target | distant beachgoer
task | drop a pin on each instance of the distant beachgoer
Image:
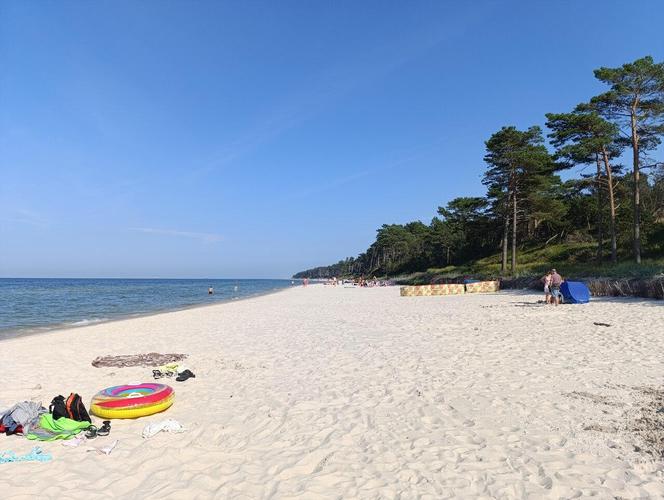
(305, 281)
(210, 291)
(554, 287)
(546, 279)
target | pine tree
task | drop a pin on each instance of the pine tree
(584, 137)
(518, 165)
(635, 101)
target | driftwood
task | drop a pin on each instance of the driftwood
(652, 288)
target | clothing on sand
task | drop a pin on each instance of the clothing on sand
(104, 450)
(35, 455)
(167, 370)
(75, 442)
(24, 414)
(168, 425)
(50, 429)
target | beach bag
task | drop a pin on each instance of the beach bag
(76, 409)
(71, 408)
(57, 407)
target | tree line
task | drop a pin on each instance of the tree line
(619, 207)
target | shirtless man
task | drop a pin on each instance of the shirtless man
(556, 281)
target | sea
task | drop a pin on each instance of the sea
(32, 305)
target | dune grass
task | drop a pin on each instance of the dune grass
(571, 260)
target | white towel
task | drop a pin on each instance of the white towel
(168, 425)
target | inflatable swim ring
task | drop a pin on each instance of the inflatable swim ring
(132, 401)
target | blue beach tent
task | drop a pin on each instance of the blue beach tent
(575, 292)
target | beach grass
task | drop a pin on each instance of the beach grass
(571, 260)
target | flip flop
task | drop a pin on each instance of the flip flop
(105, 429)
(91, 432)
(185, 375)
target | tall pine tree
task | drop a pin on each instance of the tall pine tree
(635, 101)
(518, 166)
(582, 138)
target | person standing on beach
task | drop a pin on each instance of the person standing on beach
(554, 287)
(546, 279)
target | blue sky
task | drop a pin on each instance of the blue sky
(257, 139)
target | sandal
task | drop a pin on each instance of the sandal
(185, 375)
(105, 429)
(91, 432)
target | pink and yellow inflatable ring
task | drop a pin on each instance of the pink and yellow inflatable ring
(132, 401)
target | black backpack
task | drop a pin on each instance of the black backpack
(72, 408)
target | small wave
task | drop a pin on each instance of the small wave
(90, 321)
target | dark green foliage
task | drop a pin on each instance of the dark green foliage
(521, 185)
(580, 136)
(636, 90)
(528, 210)
(583, 137)
(635, 101)
(467, 231)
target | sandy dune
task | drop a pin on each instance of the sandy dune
(359, 393)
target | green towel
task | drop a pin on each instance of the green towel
(62, 428)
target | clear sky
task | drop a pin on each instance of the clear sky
(256, 139)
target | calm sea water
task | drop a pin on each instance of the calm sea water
(30, 305)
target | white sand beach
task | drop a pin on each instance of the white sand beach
(325, 392)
